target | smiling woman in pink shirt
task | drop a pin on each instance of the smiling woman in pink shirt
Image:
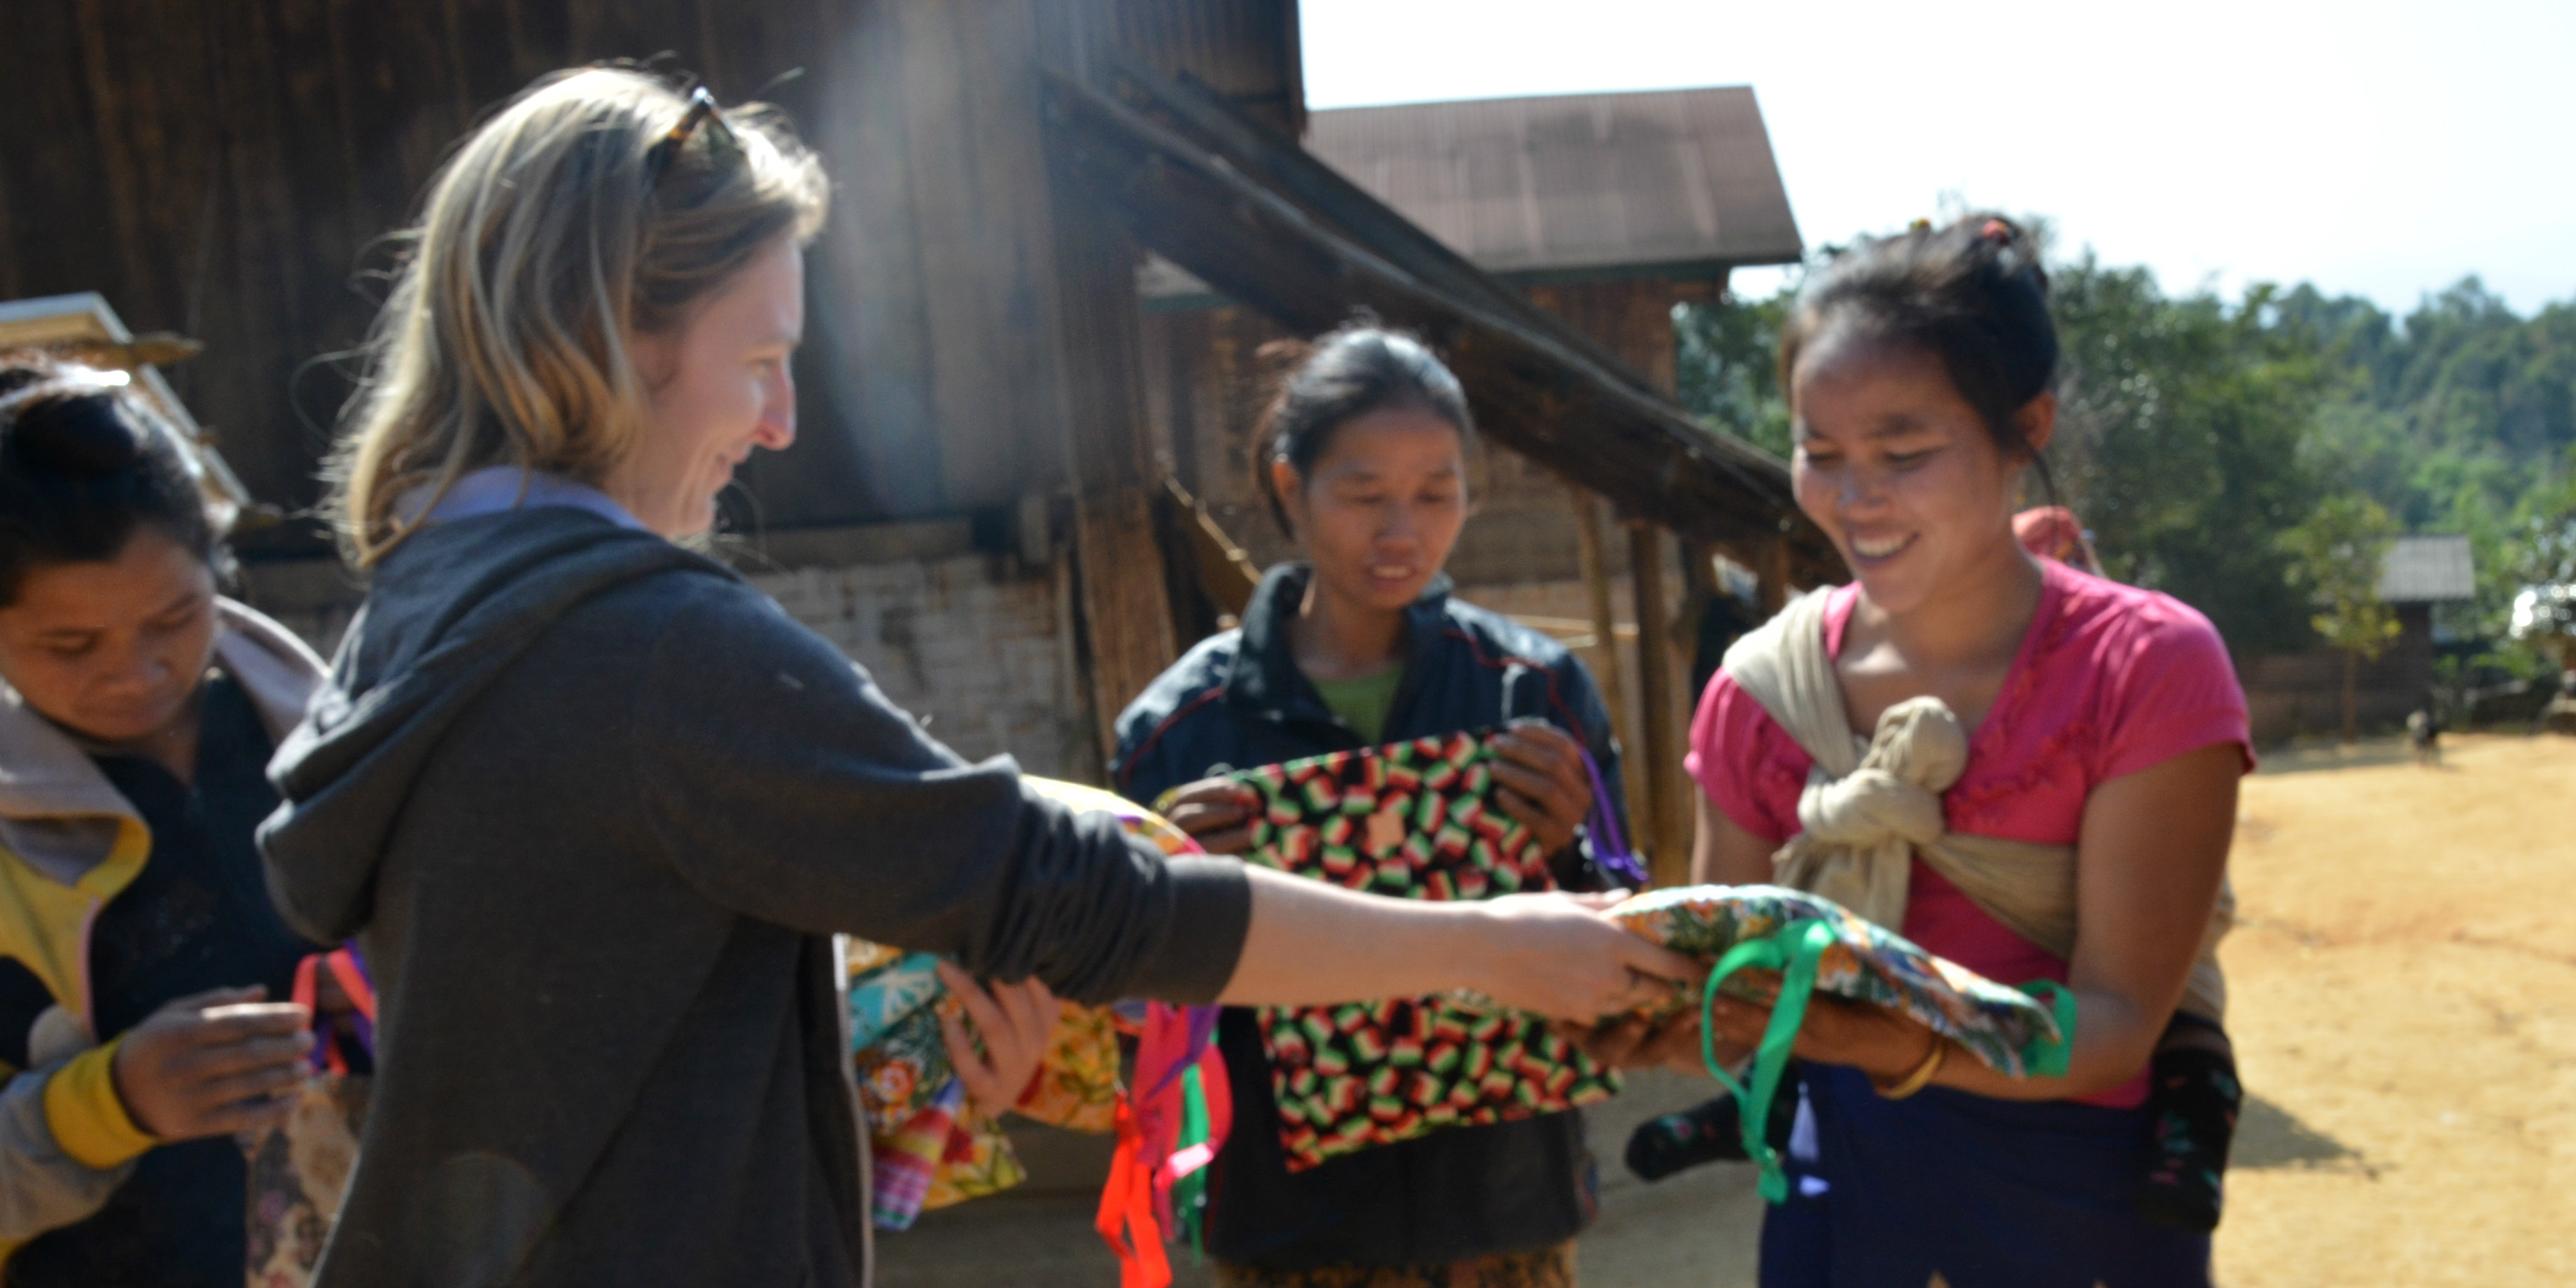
(2101, 718)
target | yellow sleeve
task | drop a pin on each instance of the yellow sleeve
(88, 1117)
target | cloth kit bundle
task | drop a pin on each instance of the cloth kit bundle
(1415, 820)
(931, 1149)
(1815, 944)
(299, 1170)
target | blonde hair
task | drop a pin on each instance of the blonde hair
(556, 233)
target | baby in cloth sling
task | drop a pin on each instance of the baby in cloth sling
(1871, 805)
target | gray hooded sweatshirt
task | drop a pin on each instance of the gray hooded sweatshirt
(594, 807)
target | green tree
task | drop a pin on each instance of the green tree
(2336, 556)
(2540, 566)
(1728, 367)
(2179, 443)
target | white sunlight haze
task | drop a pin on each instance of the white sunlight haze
(2378, 149)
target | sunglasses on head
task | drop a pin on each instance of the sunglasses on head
(722, 143)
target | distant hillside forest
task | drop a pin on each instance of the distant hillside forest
(2197, 430)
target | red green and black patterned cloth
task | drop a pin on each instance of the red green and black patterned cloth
(1415, 820)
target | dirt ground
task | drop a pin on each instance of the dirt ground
(2405, 1009)
(2404, 1004)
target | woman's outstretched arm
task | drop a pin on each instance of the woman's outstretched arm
(1553, 954)
(783, 785)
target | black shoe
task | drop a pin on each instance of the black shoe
(1708, 1133)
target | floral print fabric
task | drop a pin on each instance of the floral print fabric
(931, 1148)
(2003, 1027)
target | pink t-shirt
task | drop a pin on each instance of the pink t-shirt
(2110, 680)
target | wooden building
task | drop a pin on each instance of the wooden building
(2291, 695)
(977, 505)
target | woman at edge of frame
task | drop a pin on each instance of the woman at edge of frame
(143, 972)
(1360, 643)
(2103, 721)
(595, 806)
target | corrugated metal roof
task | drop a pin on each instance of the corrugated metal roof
(1578, 183)
(2421, 570)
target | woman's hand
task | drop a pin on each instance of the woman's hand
(1873, 1039)
(213, 1064)
(1634, 1042)
(1217, 813)
(1016, 1021)
(1544, 785)
(1555, 954)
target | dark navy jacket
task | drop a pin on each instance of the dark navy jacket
(1238, 700)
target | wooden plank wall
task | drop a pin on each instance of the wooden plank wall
(231, 171)
(1248, 51)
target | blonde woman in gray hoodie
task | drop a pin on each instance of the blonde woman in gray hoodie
(594, 806)
(139, 712)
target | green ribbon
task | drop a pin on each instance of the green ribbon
(2043, 1056)
(1791, 950)
(1189, 1193)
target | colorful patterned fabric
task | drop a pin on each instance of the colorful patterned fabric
(2003, 1027)
(1172, 1122)
(1077, 1083)
(931, 1148)
(1415, 820)
(897, 1049)
(1549, 1267)
(905, 1158)
(298, 1171)
(976, 1160)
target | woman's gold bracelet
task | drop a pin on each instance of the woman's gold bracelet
(1922, 1075)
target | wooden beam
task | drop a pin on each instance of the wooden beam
(1699, 591)
(1658, 705)
(1614, 691)
(1773, 574)
(1126, 603)
(1225, 572)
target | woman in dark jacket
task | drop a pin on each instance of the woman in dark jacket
(1364, 460)
(595, 806)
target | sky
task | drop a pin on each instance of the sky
(2377, 149)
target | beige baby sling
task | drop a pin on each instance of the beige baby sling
(1869, 805)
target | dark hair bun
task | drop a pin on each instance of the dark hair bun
(74, 427)
(83, 464)
(1973, 294)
